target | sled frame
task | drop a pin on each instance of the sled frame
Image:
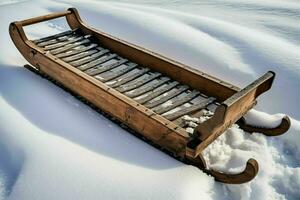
(235, 102)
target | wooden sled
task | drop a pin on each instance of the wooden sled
(146, 91)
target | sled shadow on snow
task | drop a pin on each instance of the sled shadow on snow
(57, 112)
(11, 163)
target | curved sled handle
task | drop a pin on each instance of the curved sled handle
(16, 28)
(44, 18)
(276, 131)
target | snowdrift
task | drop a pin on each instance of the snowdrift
(54, 147)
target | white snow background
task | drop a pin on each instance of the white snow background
(54, 147)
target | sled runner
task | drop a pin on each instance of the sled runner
(150, 93)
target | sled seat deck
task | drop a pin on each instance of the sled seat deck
(148, 92)
(156, 91)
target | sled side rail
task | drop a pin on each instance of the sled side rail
(43, 18)
(232, 110)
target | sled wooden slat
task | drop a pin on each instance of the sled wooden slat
(127, 78)
(147, 87)
(196, 114)
(190, 109)
(63, 43)
(90, 58)
(80, 55)
(100, 69)
(176, 101)
(69, 46)
(76, 51)
(54, 41)
(96, 62)
(144, 90)
(155, 93)
(137, 83)
(115, 74)
(56, 36)
(163, 98)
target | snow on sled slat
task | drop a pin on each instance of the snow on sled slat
(190, 109)
(176, 101)
(152, 118)
(195, 114)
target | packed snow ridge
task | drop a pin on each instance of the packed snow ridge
(54, 147)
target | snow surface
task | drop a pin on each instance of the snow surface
(260, 119)
(54, 147)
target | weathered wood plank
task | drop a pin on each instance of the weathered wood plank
(80, 55)
(138, 82)
(89, 58)
(197, 114)
(69, 46)
(156, 92)
(190, 109)
(114, 74)
(103, 68)
(147, 87)
(97, 62)
(69, 32)
(59, 44)
(53, 41)
(176, 101)
(127, 77)
(166, 96)
(76, 51)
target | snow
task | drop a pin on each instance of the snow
(54, 147)
(260, 119)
